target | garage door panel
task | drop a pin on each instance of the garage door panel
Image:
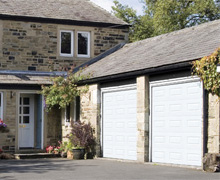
(177, 123)
(175, 140)
(194, 123)
(121, 125)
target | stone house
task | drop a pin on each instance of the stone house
(146, 106)
(40, 39)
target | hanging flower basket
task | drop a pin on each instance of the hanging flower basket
(3, 126)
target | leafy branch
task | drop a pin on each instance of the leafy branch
(63, 90)
(206, 70)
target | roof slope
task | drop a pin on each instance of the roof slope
(78, 10)
(176, 47)
(35, 80)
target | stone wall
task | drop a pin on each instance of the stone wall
(90, 112)
(35, 46)
(8, 139)
(213, 125)
(143, 118)
(53, 127)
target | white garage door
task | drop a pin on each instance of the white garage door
(120, 124)
(177, 123)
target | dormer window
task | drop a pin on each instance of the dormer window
(66, 43)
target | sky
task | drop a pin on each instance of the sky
(106, 4)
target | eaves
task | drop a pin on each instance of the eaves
(63, 21)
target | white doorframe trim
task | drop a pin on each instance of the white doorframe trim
(2, 105)
(170, 82)
(17, 114)
(42, 124)
(106, 90)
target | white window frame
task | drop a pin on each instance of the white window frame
(72, 43)
(1, 107)
(88, 45)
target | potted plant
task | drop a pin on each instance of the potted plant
(81, 140)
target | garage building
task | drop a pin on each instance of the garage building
(145, 104)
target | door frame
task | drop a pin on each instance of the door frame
(171, 82)
(33, 92)
(108, 90)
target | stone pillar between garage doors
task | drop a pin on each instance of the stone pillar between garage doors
(143, 118)
(213, 124)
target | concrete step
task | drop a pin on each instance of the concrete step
(30, 151)
(36, 156)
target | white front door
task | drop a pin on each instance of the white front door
(177, 123)
(120, 124)
(26, 121)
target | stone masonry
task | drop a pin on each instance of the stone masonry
(53, 127)
(90, 108)
(35, 46)
(8, 139)
(213, 125)
(143, 118)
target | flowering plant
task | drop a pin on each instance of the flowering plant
(49, 149)
(1, 151)
(52, 149)
(3, 126)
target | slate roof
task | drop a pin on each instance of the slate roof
(77, 10)
(28, 77)
(31, 80)
(168, 49)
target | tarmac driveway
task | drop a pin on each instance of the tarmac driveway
(99, 169)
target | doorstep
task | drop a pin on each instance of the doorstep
(36, 156)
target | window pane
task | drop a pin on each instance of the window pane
(77, 108)
(66, 42)
(20, 119)
(26, 110)
(83, 43)
(20, 110)
(68, 113)
(26, 120)
(1, 106)
(20, 100)
(26, 101)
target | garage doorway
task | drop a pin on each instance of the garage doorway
(119, 122)
(177, 122)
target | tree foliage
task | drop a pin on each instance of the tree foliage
(206, 70)
(63, 90)
(163, 16)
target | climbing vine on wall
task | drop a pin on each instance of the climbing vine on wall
(206, 69)
(64, 90)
